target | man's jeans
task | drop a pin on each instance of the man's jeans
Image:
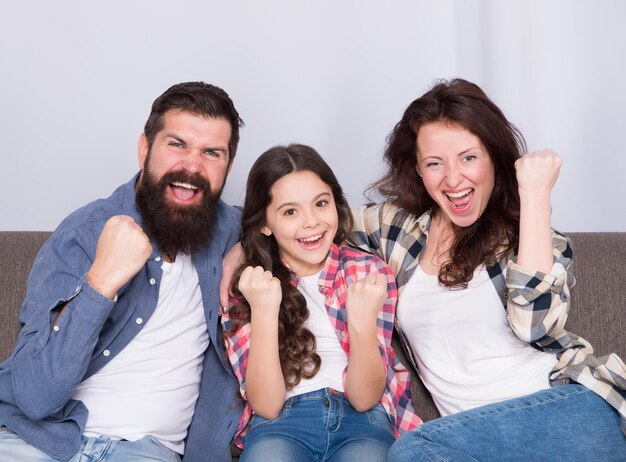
(564, 423)
(103, 449)
(319, 426)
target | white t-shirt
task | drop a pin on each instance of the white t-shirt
(334, 359)
(151, 386)
(466, 353)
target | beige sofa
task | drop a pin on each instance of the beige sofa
(598, 311)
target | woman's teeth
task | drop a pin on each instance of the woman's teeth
(459, 194)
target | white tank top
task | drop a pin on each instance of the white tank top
(466, 353)
(151, 386)
(334, 359)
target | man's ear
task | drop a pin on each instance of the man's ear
(265, 230)
(142, 150)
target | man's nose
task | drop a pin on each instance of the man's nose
(192, 161)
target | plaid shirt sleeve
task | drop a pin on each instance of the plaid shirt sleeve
(396, 398)
(537, 307)
(237, 349)
(538, 303)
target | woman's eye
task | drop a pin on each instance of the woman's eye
(322, 203)
(469, 157)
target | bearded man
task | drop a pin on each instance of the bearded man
(120, 354)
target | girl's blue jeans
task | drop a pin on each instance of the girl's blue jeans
(564, 423)
(319, 426)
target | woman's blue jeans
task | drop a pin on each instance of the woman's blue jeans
(564, 423)
(319, 426)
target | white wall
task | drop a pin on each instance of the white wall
(78, 78)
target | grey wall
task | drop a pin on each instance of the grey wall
(77, 80)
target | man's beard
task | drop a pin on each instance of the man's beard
(175, 227)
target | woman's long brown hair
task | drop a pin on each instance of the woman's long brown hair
(459, 103)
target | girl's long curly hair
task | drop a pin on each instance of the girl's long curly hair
(296, 343)
(459, 103)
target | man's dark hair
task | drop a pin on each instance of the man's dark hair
(197, 98)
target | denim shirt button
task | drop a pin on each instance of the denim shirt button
(106, 352)
(139, 320)
(55, 328)
(152, 281)
(157, 259)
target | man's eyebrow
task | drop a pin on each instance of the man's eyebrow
(223, 149)
(176, 137)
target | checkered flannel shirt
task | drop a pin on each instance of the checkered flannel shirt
(537, 304)
(344, 266)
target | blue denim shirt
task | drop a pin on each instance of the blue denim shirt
(48, 362)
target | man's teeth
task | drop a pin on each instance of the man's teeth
(460, 193)
(311, 239)
(184, 185)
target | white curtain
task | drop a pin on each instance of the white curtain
(78, 79)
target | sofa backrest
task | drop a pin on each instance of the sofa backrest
(17, 253)
(597, 311)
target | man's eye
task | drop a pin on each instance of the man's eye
(214, 154)
(175, 144)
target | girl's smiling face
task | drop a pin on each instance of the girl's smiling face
(457, 171)
(302, 216)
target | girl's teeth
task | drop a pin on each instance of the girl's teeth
(311, 239)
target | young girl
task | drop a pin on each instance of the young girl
(484, 291)
(309, 335)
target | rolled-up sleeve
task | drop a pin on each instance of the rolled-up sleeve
(538, 303)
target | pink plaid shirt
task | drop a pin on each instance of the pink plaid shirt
(344, 266)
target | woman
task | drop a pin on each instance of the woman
(466, 231)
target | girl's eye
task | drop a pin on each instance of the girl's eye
(289, 212)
